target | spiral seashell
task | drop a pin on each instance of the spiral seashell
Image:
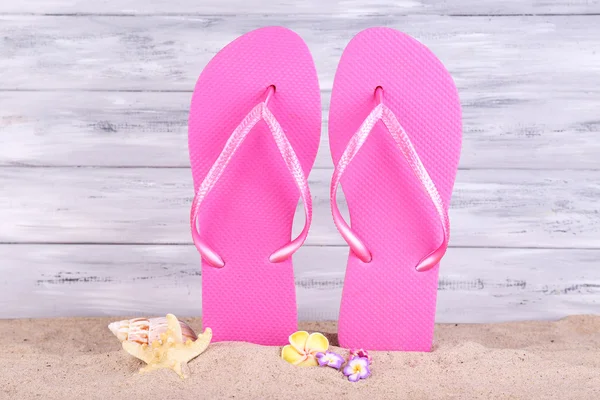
(147, 330)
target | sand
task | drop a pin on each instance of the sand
(78, 358)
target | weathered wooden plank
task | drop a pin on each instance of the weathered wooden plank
(150, 129)
(94, 128)
(476, 285)
(514, 208)
(336, 7)
(494, 60)
(535, 98)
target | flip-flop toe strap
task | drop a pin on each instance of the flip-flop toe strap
(259, 112)
(382, 113)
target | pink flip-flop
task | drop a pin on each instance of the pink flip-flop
(254, 129)
(395, 137)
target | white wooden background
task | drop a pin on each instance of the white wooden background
(95, 183)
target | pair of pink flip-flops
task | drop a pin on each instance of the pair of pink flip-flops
(395, 138)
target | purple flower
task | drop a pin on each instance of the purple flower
(357, 368)
(332, 360)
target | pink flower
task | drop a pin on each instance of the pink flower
(357, 368)
(360, 353)
(330, 359)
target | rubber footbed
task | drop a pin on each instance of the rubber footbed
(250, 211)
(387, 304)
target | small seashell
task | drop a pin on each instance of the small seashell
(147, 330)
(173, 350)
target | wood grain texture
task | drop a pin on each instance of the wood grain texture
(476, 285)
(526, 103)
(354, 8)
(95, 189)
(515, 208)
(64, 128)
(494, 60)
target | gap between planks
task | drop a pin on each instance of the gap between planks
(509, 209)
(545, 170)
(26, 243)
(476, 285)
(336, 8)
(302, 15)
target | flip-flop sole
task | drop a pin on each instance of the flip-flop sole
(249, 213)
(387, 304)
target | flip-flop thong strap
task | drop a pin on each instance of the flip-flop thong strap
(259, 112)
(383, 113)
